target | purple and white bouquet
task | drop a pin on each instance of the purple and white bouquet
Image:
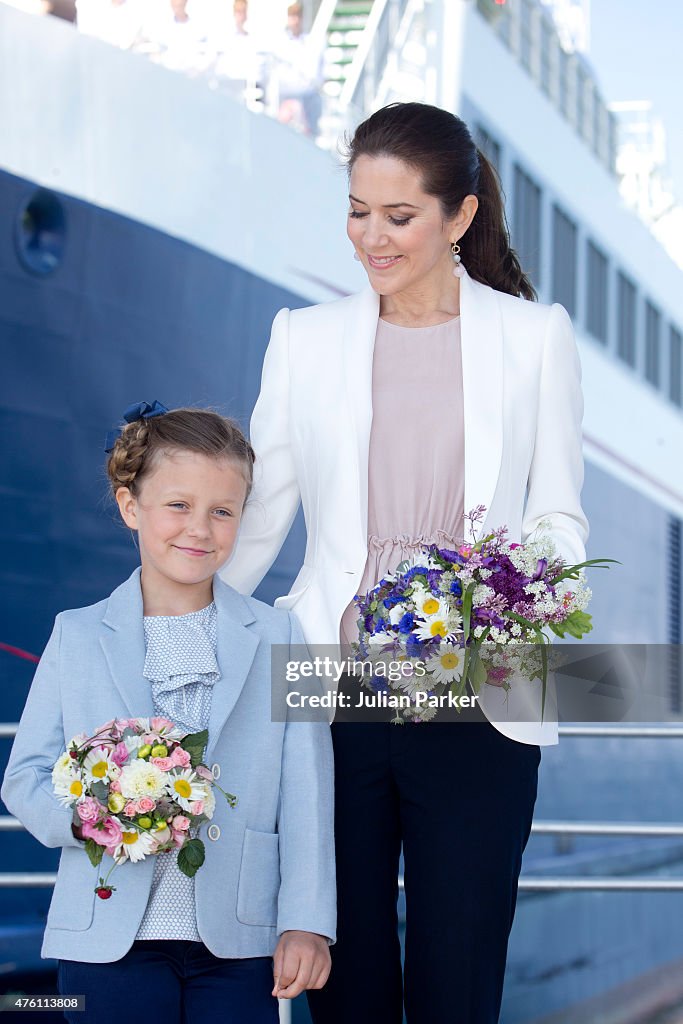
(436, 612)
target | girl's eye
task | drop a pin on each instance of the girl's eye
(224, 513)
(394, 220)
(177, 504)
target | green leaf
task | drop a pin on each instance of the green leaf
(478, 674)
(95, 851)
(467, 610)
(100, 790)
(577, 625)
(191, 857)
(572, 571)
(195, 744)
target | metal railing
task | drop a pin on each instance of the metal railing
(527, 883)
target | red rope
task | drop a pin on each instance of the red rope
(18, 653)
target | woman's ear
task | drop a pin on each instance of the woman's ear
(465, 215)
(128, 505)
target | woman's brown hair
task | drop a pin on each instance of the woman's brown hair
(440, 147)
(141, 442)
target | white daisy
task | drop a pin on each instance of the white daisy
(134, 845)
(437, 625)
(447, 666)
(426, 605)
(185, 787)
(142, 778)
(98, 766)
(69, 788)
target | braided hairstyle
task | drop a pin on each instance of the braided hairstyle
(142, 442)
(439, 146)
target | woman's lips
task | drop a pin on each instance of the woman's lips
(383, 264)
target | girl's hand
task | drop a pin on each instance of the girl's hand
(301, 960)
(78, 832)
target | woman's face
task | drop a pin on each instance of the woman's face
(397, 229)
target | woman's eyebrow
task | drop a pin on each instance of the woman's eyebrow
(387, 206)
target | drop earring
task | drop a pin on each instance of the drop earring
(356, 256)
(458, 269)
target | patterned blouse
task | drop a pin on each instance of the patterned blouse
(181, 665)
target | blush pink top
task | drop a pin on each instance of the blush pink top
(416, 482)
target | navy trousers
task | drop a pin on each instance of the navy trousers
(459, 798)
(174, 981)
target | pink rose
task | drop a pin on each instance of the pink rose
(179, 838)
(89, 809)
(150, 738)
(115, 786)
(109, 834)
(145, 804)
(180, 758)
(160, 723)
(204, 772)
(180, 823)
(119, 754)
(130, 809)
(197, 807)
(163, 763)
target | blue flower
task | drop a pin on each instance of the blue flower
(406, 623)
(455, 587)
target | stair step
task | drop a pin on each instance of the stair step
(348, 7)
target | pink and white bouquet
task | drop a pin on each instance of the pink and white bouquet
(138, 787)
(435, 612)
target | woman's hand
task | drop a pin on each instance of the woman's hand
(301, 960)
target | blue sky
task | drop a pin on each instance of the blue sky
(637, 53)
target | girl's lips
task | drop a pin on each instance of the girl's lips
(383, 266)
(196, 552)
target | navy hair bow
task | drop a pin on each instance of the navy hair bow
(139, 411)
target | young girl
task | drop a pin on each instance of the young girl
(176, 641)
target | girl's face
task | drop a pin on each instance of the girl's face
(397, 229)
(187, 515)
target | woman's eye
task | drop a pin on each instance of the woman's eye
(394, 220)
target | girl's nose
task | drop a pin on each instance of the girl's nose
(198, 526)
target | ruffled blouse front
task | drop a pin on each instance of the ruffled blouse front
(181, 665)
(416, 478)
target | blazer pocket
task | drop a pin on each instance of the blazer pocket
(300, 584)
(73, 900)
(259, 880)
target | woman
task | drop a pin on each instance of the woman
(389, 414)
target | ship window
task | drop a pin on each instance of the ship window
(527, 40)
(40, 231)
(564, 260)
(626, 319)
(488, 145)
(675, 366)
(652, 330)
(548, 40)
(675, 612)
(596, 293)
(527, 223)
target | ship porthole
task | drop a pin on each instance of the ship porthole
(40, 231)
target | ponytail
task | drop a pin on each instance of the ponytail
(485, 246)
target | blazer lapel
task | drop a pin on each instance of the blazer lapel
(124, 647)
(236, 650)
(360, 328)
(482, 380)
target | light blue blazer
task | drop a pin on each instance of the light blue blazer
(269, 862)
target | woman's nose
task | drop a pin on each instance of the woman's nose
(375, 234)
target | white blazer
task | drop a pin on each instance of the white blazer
(310, 429)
